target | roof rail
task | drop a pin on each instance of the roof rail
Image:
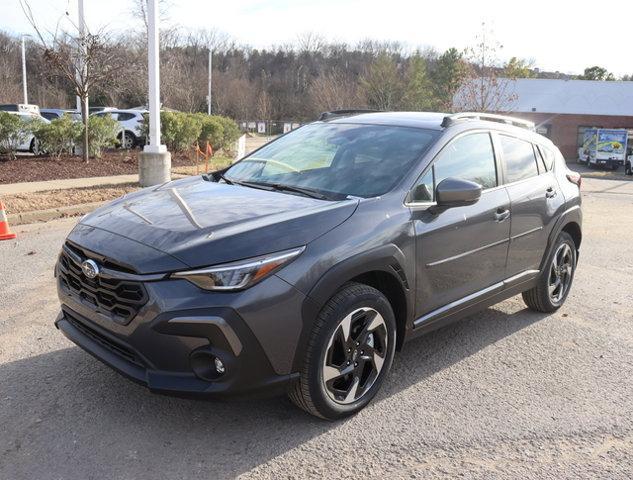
(490, 117)
(342, 113)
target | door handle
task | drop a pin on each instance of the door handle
(550, 192)
(502, 214)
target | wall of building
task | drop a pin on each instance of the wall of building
(563, 130)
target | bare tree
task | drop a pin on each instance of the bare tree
(484, 90)
(310, 42)
(138, 9)
(333, 91)
(85, 61)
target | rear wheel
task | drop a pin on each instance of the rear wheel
(127, 141)
(627, 169)
(556, 278)
(349, 353)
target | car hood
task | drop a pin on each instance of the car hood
(205, 223)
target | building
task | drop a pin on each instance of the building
(561, 109)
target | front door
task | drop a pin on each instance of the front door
(460, 251)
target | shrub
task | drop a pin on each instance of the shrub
(230, 133)
(102, 132)
(212, 131)
(13, 132)
(181, 131)
(59, 136)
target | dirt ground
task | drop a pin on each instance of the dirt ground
(504, 394)
(29, 202)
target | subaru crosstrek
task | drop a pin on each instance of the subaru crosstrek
(303, 267)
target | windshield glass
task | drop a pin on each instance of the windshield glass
(348, 159)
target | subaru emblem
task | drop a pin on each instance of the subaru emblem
(90, 269)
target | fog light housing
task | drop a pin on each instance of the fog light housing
(219, 366)
(206, 365)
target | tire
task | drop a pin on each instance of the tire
(34, 147)
(342, 395)
(539, 298)
(628, 170)
(130, 140)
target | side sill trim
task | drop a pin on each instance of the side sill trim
(471, 299)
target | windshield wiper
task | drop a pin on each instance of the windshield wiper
(215, 177)
(308, 192)
(226, 180)
(280, 187)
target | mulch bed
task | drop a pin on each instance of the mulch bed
(113, 162)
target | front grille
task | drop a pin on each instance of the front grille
(119, 299)
(118, 349)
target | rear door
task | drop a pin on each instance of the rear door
(535, 198)
(460, 251)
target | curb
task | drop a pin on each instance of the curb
(52, 214)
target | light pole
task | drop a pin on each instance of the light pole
(82, 63)
(155, 160)
(210, 72)
(24, 89)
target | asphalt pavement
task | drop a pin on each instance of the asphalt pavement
(507, 393)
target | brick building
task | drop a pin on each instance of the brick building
(564, 109)
(561, 109)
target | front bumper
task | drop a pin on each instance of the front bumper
(610, 163)
(243, 376)
(181, 328)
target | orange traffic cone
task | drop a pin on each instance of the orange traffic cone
(5, 232)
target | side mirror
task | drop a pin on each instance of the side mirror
(455, 192)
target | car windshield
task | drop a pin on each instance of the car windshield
(343, 159)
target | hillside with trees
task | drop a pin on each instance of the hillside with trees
(288, 82)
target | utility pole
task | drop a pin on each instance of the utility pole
(82, 39)
(155, 160)
(209, 86)
(26, 96)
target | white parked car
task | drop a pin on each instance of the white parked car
(55, 113)
(130, 123)
(29, 142)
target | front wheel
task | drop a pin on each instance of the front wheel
(34, 147)
(349, 353)
(555, 280)
(627, 169)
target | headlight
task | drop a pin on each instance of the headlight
(239, 275)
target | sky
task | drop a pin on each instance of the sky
(557, 35)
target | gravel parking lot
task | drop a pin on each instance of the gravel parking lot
(507, 393)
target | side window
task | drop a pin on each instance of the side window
(548, 157)
(124, 116)
(49, 115)
(540, 160)
(519, 159)
(470, 157)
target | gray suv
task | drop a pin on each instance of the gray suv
(303, 267)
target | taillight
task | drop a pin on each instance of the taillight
(574, 177)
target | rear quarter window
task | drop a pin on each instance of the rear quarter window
(548, 156)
